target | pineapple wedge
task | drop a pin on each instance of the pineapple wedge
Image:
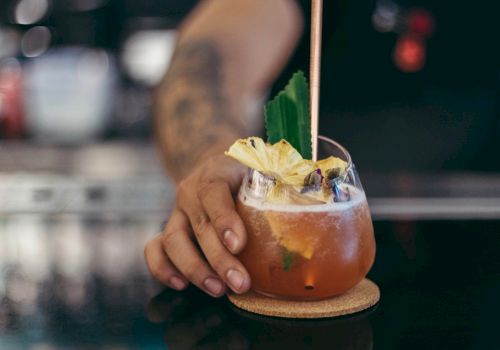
(280, 161)
(330, 163)
(293, 241)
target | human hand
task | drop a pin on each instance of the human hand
(203, 232)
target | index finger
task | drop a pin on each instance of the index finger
(218, 203)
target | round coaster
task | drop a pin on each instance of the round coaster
(362, 296)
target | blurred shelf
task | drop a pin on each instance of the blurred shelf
(108, 177)
(114, 159)
(124, 178)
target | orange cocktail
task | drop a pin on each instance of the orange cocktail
(303, 250)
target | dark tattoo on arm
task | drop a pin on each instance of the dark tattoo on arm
(192, 110)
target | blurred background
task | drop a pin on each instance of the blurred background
(411, 88)
(80, 71)
(406, 85)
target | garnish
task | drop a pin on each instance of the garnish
(314, 178)
(286, 157)
(313, 181)
(340, 195)
(286, 194)
(331, 176)
(279, 161)
(288, 258)
(295, 245)
(287, 116)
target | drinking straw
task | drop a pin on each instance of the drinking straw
(315, 69)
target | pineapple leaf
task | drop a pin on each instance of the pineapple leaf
(287, 116)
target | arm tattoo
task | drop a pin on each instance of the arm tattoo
(192, 111)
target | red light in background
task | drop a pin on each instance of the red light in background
(11, 112)
(409, 53)
(420, 21)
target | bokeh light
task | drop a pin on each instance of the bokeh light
(421, 22)
(11, 116)
(147, 54)
(36, 41)
(385, 16)
(9, 42)
(409, 53)
(93, 66)
(30, 11)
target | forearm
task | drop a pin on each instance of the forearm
(228, 53)
(194, 117)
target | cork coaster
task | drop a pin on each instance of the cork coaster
(362, 296)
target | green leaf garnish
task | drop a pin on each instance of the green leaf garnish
(287, 116)
(288, 258)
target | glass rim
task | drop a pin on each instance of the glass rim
(341, 148)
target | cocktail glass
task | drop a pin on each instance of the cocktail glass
(307, 251)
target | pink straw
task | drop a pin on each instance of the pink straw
(315, 69)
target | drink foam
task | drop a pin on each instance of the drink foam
(357, 198)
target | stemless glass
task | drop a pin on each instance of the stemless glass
(307, 252)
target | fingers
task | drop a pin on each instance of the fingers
(181, 250)
(222, 261)
(206, 207)
(160, 265)
(217, 201)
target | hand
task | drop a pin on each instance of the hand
(203, 232)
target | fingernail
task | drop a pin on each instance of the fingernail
(213, 285)
(236, 279)
(177, 283)
(231, 240)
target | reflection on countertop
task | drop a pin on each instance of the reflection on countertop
(69, 282)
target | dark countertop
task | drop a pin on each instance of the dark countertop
(75, 282)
